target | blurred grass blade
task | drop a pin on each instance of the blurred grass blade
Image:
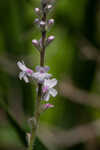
(20, 132)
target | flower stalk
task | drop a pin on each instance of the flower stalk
(45, 85)
(39, 94)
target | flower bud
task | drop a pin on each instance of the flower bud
(42, 24)
(36, 44)
(49, 40)
(36, 21)
(49, 7)
(51, 21)
(44, 107)
(37, 11)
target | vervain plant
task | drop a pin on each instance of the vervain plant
(45, 82)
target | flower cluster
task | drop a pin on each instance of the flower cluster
(41, 75)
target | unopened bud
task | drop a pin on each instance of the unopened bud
(44, 107)
(49, 7)
(36, 21)
(51, 22)
(37, 11)
(42, 24)
(49, 40)
(36, 44)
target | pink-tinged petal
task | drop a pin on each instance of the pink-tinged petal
(21, 66)
(53, 92)
(46, 106)
(29, 71)
(45, 89)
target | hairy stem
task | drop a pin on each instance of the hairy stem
(39, 94)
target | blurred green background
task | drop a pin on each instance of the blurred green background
(74, 59)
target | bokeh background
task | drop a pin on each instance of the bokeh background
(74, 59)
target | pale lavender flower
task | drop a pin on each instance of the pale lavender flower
(48, 89)
(41, 74)
(25, 72)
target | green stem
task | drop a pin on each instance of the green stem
(36, 117)
(38, 100)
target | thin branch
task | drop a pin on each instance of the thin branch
(57, 138)
(68, 90)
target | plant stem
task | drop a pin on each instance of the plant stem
(39, 94)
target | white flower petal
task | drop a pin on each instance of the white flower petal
(53, 92)
(47, 75)
(50, 83)
(26, 79)
(21, 66)
(36, 75)
(47, 82)
(47, 96)
(21, 75)
(53, 83)
(41, 76)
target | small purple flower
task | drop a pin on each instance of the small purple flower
(46, 106)
(25, 72)
(48, 89)
(41, 74)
